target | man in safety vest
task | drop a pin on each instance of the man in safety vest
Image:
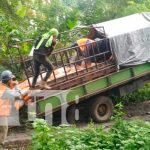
(9, 98)
(43, 48)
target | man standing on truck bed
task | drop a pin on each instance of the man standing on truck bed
(43, 48)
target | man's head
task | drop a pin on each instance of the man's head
(8, 78)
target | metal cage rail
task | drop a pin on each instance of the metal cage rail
(99, 55)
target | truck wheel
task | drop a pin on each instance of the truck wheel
(101, 109)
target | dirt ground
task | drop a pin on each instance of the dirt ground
(22, 137)
(138, 111)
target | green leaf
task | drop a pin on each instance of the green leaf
(71, 24)
(22, 11)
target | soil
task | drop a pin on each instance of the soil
(138, 110)
(21, 137)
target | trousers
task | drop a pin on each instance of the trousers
(39, 60)
(3, 129)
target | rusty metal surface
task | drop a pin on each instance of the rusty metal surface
(84, 78)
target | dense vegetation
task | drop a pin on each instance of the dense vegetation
(129, 135)
(27, 19)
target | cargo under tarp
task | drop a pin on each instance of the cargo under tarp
(129, 38)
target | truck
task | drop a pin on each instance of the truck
(126, 40)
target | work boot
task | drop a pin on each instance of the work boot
(43, 85)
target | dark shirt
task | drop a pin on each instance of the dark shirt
(43, 50)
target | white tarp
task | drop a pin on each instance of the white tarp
(129, 38)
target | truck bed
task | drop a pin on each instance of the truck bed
(68, 77)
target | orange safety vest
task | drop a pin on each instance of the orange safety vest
(83, 42)
(5, 105)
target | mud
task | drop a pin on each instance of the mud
(138, 110)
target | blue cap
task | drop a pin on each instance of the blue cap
(7, 75)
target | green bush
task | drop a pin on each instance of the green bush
(132, 135)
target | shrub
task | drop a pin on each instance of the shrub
(122, 135)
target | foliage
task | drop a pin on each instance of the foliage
(97, 11)
(29, 19)
(118, 112)
(138, 6)
(122, 135)
(34, 17)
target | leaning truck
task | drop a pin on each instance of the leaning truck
(126, 40)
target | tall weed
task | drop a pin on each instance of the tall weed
(130, 135)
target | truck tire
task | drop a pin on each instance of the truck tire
(101, 109)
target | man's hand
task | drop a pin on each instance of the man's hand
(111, 58)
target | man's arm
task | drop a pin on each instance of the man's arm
(10, 94)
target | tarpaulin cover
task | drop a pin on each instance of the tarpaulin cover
(129, 38)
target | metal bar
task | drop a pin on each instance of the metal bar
(56, 60)
(72, 78)
(98, 47)
(94, 55)
(69, 48)
(69, 51)
(76, 69)
(84, 75)
(105, 59)
(90, 71)
(63, 66)
(67, 57)
(24, 65)
(85, 60)
(78, 55)
(32, 67)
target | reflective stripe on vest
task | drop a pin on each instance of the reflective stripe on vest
(6, 104)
